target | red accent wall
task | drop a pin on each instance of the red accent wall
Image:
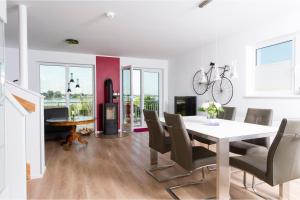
(106, 67)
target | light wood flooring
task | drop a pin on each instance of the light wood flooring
(114, 169)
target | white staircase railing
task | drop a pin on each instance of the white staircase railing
(35, 145)
(15, 148)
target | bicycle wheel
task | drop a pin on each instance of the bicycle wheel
(222, 91)
(199, 88)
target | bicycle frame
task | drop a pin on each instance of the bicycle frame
(224, 69)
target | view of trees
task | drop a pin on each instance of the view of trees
(82, 108)
(52, 95)
(148, 100)
(151, 102)
(81, 104)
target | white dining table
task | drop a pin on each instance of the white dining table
(227, 131)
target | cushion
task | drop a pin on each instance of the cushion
(253, 163)
(203, 140)
(202, 157)
(243, 148)
(56, 132)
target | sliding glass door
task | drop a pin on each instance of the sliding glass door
(137, 103)
(141, 90)
(69, 86)
(151, 90)
(127, 103)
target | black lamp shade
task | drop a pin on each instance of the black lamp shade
(72, 80)
(69, 89)
(77, 84)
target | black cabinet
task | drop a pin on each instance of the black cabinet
(185, 105)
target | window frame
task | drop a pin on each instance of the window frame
(270, 44)
(252, 64)
(67, 67)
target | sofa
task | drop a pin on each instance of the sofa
(55, 132)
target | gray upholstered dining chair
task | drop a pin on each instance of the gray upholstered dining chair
(280, 163)
(254, 116)
(228, 114)
(186, 155)
(159, 141)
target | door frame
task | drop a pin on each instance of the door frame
(128, 67)
(160, 92)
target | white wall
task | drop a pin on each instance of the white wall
(36, 57)
(3, 15)
(183, 67)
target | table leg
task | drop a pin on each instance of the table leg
(284, 191)
(223, 169)
(72, 137)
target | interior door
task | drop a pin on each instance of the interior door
(127, 99)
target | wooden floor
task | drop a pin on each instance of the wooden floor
(114, 169)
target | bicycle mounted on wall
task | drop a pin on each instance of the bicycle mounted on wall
(222, 88)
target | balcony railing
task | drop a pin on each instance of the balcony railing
(152, 104)
(148, 105)
(85, 107)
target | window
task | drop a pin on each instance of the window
(274, 69)
(275, 53)
(53, 85)
(54, 81)
(82, 100)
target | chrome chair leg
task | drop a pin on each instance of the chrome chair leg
(159, 179)
(245, 180)
(253, 181)
(211, 167)
(173, 195)
(155, 167)
(153, 157)
(171, 188)
(203, 173)
(254, 189)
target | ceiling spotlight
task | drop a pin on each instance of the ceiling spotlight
(71, 41)
(110, 15)
(204, 3)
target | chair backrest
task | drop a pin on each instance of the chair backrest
(156, 131)
(228, 114)
(283, 162)
(62, 112)
(181, 150)
(261, 117)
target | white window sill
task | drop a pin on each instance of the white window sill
(258, 96)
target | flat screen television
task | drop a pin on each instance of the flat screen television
(185, 105)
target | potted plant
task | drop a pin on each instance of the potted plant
(212, 109)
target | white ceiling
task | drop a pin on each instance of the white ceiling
(153, 29)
